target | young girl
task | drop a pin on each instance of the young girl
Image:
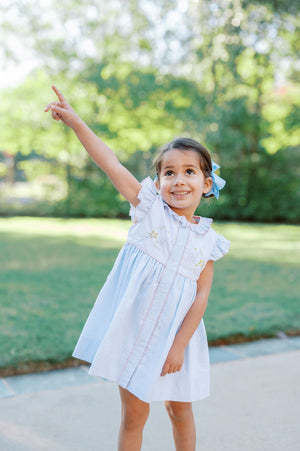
(146, 331)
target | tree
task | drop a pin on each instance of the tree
(219, 71)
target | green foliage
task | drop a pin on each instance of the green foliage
(92, 197)
(271, 193)
(232, 86)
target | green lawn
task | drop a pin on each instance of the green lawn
(52, 270)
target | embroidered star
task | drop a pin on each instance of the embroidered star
(153, 234)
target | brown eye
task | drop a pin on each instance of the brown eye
(190, 171)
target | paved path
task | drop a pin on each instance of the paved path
(254, 406)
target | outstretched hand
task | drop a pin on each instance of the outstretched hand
(61, 110)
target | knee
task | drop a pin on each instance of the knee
(134, 418)
(179, 411)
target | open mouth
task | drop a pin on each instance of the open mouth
(180, 194)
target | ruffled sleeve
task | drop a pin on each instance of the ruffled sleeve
(147, 196)
(221, 247)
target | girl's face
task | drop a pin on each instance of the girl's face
(181, 181)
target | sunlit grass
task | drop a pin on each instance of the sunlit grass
(263, 242)
(52, 270)
(112, 228)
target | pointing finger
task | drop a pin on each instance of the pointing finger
(59, 94)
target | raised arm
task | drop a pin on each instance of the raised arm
(102, 155)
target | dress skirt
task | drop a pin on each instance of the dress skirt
(131, 328)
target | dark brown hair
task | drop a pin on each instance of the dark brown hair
(185, 144)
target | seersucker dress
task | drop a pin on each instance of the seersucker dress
(144, 300)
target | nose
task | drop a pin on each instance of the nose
(179, 180)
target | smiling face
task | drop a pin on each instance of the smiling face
(181, 181)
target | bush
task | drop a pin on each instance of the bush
(263, 190)
(92, 197)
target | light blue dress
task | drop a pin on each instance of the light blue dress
(144, 300)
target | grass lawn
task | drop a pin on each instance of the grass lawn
(52, 270)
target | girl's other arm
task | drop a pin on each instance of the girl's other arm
(103, 156)
(191, 321)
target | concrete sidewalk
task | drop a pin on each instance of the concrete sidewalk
(254, 406)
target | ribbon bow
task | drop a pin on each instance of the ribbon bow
(218, 182)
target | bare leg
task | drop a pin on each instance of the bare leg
(182, 418)
(134, 416)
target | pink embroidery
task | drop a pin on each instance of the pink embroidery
(157, 321)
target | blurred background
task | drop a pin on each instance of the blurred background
(140, 73)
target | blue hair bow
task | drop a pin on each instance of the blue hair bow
(218, 182)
